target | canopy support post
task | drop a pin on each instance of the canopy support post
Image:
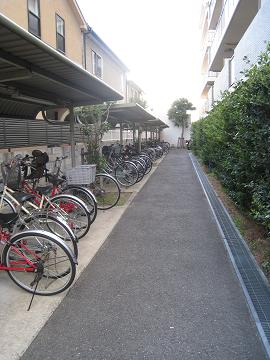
(72, 135)
(121, 132)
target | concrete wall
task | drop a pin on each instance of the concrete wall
(52, 152)
(17, 11)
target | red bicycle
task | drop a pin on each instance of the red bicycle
(36, 260)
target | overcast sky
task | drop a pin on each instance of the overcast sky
(157, 40)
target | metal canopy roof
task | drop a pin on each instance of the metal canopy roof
(157, 123)
(34, 76)
(133, 113)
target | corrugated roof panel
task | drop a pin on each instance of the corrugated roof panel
(54, 73)
(17, 109)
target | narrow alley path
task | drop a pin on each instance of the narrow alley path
(162, 286)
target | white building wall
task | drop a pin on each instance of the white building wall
(254, 40)
(251, 45)
(222, 82)
(172, 133)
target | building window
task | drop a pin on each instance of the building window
(34, 17)
(60, 34)
(97, 64)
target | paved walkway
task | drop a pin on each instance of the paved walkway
(162, 286)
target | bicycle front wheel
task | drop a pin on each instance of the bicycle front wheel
(6, 207)
(52, 223)
(86, 196)
(126, 173)
(73, 211)
(106, 190)
(39, 262)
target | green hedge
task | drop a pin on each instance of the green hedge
(234, 140)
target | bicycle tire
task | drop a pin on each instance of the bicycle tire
(86, 196)
(126, 173)
(73, 211)
(149, 163)
(140, 168)
(57, 259)
(7, 206)
(53, 224)
(106, 190)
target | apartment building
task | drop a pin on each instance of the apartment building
(231, 30)
(102, 62)
(59, 23)
(42, 72)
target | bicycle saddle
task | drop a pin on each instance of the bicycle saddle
(22, 197)
(55, 180)
(7, 219)
(44, 189)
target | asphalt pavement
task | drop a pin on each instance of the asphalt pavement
(161, 287)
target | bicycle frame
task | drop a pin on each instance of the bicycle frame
(40, 199)
(7, 193)
(29, 266)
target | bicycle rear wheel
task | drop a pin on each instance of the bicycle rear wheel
(47, 264)
(106, 190)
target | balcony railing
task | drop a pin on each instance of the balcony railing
(211, 8)
(208, 80)
(225, 17)
(208, 39)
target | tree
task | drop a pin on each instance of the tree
(178, 114)
(94, 119)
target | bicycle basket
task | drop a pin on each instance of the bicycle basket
(11, 173)
(81, 175)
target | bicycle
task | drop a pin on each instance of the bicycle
(60, 185)
(69, 208)
(36, 260)
(105, 190)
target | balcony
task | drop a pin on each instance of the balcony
(208, 81)
(205, 47)
(234, 20)
(214, 12)
(204, 108)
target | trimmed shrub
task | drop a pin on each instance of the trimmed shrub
(234, 140)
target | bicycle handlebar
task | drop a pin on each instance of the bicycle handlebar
(61, 157)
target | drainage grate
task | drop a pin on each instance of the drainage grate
(252, 279)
